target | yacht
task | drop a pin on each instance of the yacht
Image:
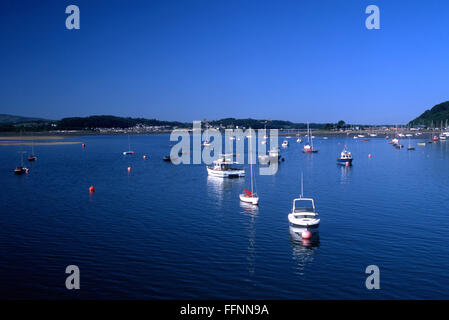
(285, 144)
(222, 168)
(308, 147)
(32, 157)
(250, 196)
(129, 148)
(21, 169)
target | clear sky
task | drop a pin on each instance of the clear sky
(302, 60)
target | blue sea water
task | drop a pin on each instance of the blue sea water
(167, 231)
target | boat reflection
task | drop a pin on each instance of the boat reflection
(346, 175)
(251, 212)
(303, 249)
(218, 186)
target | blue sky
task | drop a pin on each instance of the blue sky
(193, 59)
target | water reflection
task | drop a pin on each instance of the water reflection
(303, 249)
(218, 186)
(345, 174)
(251, 212)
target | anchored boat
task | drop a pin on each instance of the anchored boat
(222, 168)
(250, 196)
(303, 213)
(21, 169)
(308, 147)
(345, 158)
(129, 149)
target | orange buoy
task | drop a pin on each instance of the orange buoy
(144, 156)
(91, 189)
(306, 234)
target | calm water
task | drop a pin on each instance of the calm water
(165, 231)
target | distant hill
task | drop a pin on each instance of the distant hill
(106, 121)
(438, 113)
(11, 119)
(260, 124)
(10, 123)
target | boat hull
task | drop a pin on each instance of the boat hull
(310, 151)
(248, 199)
(226, 174)
(303, 223)
(20, 170)
(344, 162)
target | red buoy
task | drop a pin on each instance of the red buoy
(91, 189)
(83, 145)
(369, 155)
(129, 169)
(306, 234)
(144, 156)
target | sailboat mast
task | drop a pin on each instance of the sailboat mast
(308, 132)
(251, 157)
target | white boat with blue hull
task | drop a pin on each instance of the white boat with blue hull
(345, 158)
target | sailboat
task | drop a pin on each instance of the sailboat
(308, 147)
(250, 196)
(129, 149)
(32, 157)
(21, 169)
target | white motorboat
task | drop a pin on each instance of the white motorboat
(303, 214)
(285, 144)
(222, 168)
(345, 158)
